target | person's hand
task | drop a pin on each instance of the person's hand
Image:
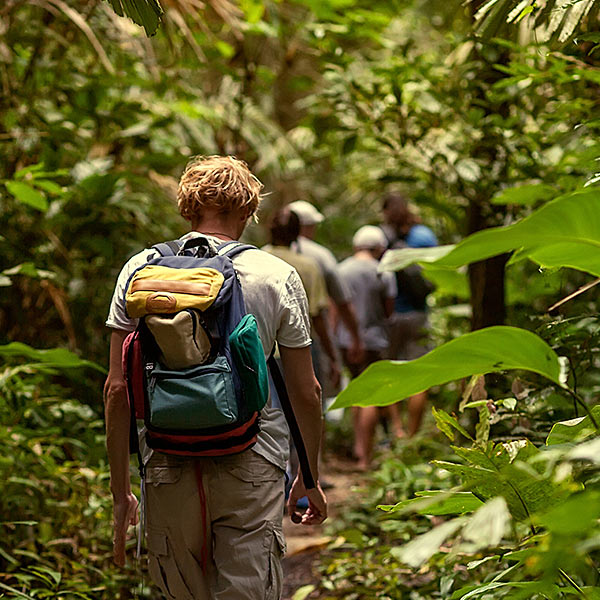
(125, 513)
(356, 352)
(316, 512)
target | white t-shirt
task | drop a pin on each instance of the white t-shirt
(274, 294)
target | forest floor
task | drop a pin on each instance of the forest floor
(306, 543)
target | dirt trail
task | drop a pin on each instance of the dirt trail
(305, 543)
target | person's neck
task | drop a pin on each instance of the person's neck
(364, 254)
(218, 226)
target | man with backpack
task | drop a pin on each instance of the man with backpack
(409, 323)
(213, 513)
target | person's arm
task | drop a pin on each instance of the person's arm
(356, 352)
(322, 331)
(390, 291)
(116, 412)
(305, 397)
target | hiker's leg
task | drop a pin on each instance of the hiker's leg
(175, 529)
(247, 502)
(392, 414)
(416, 408)
(365, 421)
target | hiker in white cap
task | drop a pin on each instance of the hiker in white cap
(310, 218)
(373, 295)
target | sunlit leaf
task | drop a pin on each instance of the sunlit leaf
(573, 430)
(27, 195)
(438, 503)
(488, 525)
(424, 546)
(562, 233)
(446, 423)
(57, 357)
(485, 351)
(525, 194)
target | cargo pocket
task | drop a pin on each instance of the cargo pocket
(256, 470)
(163, 568)
(275, 542)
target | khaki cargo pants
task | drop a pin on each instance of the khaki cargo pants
(231, 552)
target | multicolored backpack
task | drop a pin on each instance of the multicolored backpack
(195, 366)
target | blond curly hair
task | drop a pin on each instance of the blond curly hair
(221, 182)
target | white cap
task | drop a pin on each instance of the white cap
(306, 212)
(369, 236)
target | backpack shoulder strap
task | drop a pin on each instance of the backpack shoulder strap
(288, 411)
(170, 248)
(232, 249)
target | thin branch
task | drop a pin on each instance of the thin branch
(581, 290)
(87, 30)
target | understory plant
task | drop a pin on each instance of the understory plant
(520, 518)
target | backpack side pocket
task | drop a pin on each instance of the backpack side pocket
(249, 357)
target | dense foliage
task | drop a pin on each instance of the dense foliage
(336, 102)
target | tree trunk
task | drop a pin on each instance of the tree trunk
(486, 279)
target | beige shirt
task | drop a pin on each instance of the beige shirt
(274, 294)
(310, 274)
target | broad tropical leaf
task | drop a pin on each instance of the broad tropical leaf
(562, 233)
(56, 357)
(485, 351)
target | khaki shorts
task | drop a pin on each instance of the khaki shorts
(233, 550)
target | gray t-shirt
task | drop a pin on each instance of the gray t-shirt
(369, 290)
(274, 294)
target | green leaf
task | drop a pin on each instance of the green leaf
(563, 233)
(27, 195)
(28, 269)
(225, 49)
(589, 37)
(395, 260)
(423, 547)
(574, 430)
(508, 470)
(446, 423)
(436, 503)
(146, 13)
(488, 525)
(485, 351)
(574, 517)
(20, 174)
(525, 195)
(16, 592)
(57, 357)
(49, 186)
(304, 592)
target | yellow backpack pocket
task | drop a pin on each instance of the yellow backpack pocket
(157, 290)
